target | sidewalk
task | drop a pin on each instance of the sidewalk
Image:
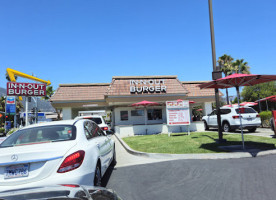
(126, 159)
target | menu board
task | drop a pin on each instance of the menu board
(178, 113)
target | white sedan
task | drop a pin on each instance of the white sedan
(63, 152)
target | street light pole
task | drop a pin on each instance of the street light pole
(216, 71)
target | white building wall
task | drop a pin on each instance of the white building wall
(66, 113)
(136, 120)
(207, 108)
(127, 131)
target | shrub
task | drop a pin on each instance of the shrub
(12, 131)
(265, 117)
(2, 130)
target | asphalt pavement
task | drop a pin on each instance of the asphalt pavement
(230, 179)
(263, 132)
(137, 177)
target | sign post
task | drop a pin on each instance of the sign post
(178, 113)
(10, 110)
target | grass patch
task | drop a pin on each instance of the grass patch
(198, 142)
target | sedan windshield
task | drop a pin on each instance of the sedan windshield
(40, 134)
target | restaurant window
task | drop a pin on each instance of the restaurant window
(154, 114)
(124, 115)
(137, 113)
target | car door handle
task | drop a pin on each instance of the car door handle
(98, 145)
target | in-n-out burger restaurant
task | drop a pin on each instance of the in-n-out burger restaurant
(118, 96)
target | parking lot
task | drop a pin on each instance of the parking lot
(136, 177)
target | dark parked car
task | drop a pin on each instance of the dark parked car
(65, 191)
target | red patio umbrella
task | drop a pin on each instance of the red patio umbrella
(190, 102)
(248, 104)
(237, 80)
(270, 98)
(230, 105)
(145, 104)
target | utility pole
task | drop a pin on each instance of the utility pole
(216, 71)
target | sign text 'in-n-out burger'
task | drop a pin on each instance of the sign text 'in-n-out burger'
(147, 85)
(26, 89)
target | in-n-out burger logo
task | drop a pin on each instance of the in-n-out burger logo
(147, 85)
(26, 89)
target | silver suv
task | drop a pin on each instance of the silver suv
(230, 119)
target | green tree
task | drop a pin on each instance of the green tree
(226, 66)
(19, 104)
(241, 67)
(250, 93)
(235, 100)
(49, 92)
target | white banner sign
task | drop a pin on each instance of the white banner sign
(178, 113)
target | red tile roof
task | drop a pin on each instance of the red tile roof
(74, 92)
(195, 91)
(121, 85)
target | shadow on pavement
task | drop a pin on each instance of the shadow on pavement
(236, 146)
(107, 175)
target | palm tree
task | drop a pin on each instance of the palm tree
(226, 66)
(241, 67)
(49, 92)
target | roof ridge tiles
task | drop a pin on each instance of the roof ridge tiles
(145, 77)
(83, 84)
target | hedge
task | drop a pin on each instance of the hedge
(265, 117)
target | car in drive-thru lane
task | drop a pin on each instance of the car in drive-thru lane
(98, 119)
(230, 119)
(72, 151)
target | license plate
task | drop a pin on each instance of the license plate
(249, 119)
(16, 171)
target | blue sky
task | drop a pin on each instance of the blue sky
(89, 41)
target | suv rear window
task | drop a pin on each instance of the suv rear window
(54, 133)
(97, 120)
(245, 110)
(225, 111)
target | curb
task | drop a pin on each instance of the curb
(195, 156)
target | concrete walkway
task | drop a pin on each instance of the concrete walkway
(126, 159)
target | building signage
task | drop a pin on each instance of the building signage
(147, 86)
(11, 105)
(26, 89)
(178, 113)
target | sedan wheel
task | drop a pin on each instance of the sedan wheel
(97, 177)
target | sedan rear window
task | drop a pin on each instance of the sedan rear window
(245, 110)
(55, 133)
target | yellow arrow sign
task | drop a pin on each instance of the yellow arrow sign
(12, 72)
